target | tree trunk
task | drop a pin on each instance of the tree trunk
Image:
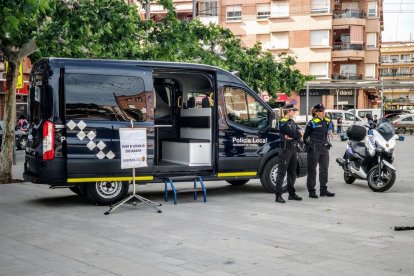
(9, 121)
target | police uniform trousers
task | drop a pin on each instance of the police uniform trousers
(287, 163)
(317, 154)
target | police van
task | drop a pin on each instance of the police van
(77, 106)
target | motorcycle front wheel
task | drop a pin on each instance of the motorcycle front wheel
(382, 182)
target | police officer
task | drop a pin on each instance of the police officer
(316, 136)
(288, 158)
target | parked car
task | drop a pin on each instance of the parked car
(404, 123)
(348, 119)
(20, 135)
(363, 112)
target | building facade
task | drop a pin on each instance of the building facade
(397, 64)
(334, 41)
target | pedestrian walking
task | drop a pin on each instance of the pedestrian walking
(290, 134)
(316, 136)
(339, 125)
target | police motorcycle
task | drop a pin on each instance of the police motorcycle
(370, 156)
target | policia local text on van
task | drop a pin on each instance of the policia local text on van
(200, 121)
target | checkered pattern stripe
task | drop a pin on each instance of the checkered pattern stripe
(91, 135)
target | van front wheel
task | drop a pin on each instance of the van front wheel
(107, 192)
(268, 176)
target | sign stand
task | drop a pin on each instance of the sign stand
(135, 198)
(131, 150)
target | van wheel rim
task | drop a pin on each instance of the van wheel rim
(107, 189)
(273, 176)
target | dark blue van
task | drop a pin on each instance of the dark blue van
(200, 121)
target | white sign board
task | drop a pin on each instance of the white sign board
(133, 147)
(342, 102)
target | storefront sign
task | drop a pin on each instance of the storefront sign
(315, 92)
(343, 92)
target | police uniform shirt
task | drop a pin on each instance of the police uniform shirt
(288, 127)
(317, 130)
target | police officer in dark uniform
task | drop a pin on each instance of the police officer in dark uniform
(288, 158)
(316, 137)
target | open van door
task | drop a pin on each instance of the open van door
(98, 102)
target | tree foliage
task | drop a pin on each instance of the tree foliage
(111, 29)
(19, 21)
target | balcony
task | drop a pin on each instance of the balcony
(340, 46)
(346, 76)
(348, 13)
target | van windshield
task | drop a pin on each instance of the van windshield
(105, 97)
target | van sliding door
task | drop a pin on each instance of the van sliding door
(98, 103)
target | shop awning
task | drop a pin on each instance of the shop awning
(356, 58)
(282, 97)
(339, 59)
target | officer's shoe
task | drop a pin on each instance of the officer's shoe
(294, 196)
(327, 193)
(279, 199)
(312, 194)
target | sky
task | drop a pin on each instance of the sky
(398, 20)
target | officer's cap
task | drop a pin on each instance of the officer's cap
(290, 107)
(319, 108)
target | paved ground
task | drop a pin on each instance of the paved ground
(239, 231)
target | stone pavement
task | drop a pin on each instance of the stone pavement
(239, 231)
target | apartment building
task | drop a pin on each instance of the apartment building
(397, 64)
(335, 41)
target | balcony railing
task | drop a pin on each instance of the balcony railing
(398, 61)
(397, 74)
(339, 46)
(348, 13)
(346, 76)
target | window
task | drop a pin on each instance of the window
(350, 5)
(348, 71)
(404, 71)
(385, 59)
(265, 40)
(319, 38)
(372, 9)
(243, 109)
(371, 40)
(105, 97)
(280, 40)
(350, 116)
(405, 57)
(320, 6)
(208, 8)
(318, 69)
(280, 8)
(384, 72)
(394, 58)
(408, 119)
(370, 70)
(263, 11)
(233, 13)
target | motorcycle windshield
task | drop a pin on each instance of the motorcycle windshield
(386, 130)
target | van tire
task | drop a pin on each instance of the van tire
(78, 190)
(268, 176)
(238, 182)
(107, 192)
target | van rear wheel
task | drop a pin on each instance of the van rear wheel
(107, 192)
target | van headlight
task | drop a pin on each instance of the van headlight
(380, 149)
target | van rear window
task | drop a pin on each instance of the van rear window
(105, 97)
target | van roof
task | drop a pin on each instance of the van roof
(222, 75)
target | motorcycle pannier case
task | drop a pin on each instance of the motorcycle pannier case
(356, 133)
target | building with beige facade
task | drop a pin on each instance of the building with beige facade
(397, 64)
(334, 41)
